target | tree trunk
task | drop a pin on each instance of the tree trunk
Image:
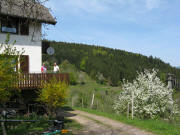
(127, 110)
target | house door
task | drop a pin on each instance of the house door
(24, 63)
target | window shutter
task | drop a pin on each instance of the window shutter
(24, 63)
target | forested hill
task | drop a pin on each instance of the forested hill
(112, 65)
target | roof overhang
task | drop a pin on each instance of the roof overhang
(27, 9)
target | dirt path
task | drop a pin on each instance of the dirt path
(98, 125)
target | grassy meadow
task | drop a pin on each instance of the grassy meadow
(81, 96)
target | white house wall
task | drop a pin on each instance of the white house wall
(31, 44)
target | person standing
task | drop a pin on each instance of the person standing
(56, 68)
(43, 68)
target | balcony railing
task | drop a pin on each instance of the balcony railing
(33, 81)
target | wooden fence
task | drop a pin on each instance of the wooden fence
(33, 81)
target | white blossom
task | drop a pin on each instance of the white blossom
(151, 97)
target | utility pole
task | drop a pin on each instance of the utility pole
(170, 80)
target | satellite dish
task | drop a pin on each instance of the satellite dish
(50, 51)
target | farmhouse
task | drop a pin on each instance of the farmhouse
(23, 20)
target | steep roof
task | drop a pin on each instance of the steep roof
(26, 9)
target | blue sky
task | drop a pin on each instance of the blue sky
(149, 27)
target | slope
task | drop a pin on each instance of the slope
(112, 65)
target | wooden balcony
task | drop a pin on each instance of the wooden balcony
(35, 81)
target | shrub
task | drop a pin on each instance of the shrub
(53, 95)
(8, 73)
(73, 78)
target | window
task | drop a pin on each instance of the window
(9, 25)
(24, 27)
(15, 25)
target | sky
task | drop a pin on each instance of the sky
(148, 27)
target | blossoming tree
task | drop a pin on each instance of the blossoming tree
(147, 96)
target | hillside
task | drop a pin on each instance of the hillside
(106, 64)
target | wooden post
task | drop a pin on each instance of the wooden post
(97, 105)
(28, 110)
(72, 102)
(92, 102)
(128, 110)
(82, 103)
(132, 103)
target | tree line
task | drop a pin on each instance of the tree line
(106, 64)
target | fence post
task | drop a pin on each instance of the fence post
(92, 102)
(82, 103)
(72, 102)
(97, 105)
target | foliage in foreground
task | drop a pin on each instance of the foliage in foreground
(8, 74)
(53, 94)
(148, 95)
(36, 128)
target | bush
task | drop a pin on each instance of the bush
(54, 95)
(8, 74)
(73, 78)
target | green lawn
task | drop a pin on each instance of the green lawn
(158, 127)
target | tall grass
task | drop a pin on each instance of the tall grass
(81, 96)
